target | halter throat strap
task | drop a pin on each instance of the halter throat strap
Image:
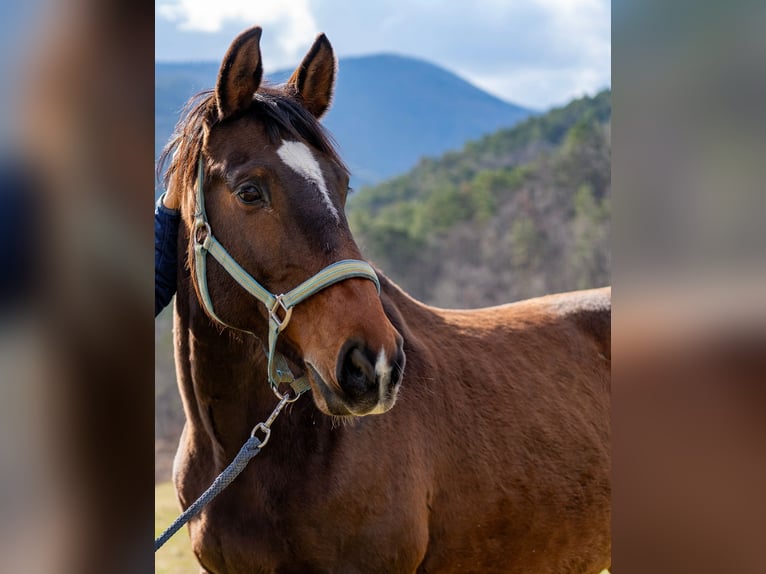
(279, 307)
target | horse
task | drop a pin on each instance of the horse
(434, 440)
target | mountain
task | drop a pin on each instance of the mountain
(388, 111)
(515, 214)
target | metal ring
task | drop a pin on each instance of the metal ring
(286, 397)
(266, 431)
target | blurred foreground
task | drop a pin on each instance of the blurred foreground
(689, 274)
(76, 488)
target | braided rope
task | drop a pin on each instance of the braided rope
(251, 448)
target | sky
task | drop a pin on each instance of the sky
(536, 53)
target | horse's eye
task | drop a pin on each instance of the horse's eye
(249, 194)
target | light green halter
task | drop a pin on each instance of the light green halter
(204, 243)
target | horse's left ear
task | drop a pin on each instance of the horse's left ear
(240, 74)
(314, 79)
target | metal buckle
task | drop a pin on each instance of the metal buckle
(280, 323)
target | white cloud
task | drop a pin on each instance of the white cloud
(534, 52)
(539, 88)
(580, 26)
(564, 52)
(293, 19)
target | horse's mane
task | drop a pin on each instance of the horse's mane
(283, 116)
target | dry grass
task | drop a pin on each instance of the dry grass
(176, 556)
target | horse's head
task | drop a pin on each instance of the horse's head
(274, 196)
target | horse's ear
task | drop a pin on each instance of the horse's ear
(314, 79)
(240, 74)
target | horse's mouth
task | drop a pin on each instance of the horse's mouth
(332, 401)
(328, 398)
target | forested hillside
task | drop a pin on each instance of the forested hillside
(519, 213)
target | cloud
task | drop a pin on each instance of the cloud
(579, 28)
(293, 19)
(539, 88)
(554, 50)
(535, 52)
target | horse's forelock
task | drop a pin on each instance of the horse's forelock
(181, 152)
(282, 115)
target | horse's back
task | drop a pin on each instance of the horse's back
(586, 313)
(591, 311)
(541, 322)
(590, 308)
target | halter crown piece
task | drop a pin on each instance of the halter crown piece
(204, 243)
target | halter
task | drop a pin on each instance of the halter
(204, 243)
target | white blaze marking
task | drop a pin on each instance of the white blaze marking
(299, 158)
(382, 370)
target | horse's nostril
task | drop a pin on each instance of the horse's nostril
(359, 366)
(357, 373)
(397, 368)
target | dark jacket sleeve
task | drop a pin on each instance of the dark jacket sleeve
(165, 254)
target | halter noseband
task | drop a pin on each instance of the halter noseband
(204, 243)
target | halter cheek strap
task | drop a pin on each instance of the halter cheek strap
(205, 243)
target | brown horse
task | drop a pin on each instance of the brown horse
(495, 457)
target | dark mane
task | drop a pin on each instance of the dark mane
(282, 115)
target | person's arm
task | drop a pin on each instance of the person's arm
(166, 219)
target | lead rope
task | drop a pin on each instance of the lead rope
(249, 450)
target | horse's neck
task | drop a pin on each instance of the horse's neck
(222, 375)
(414, 320)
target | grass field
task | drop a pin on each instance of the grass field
(176, 556)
